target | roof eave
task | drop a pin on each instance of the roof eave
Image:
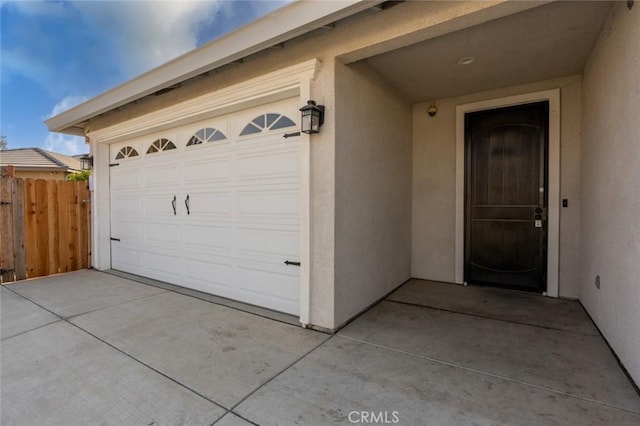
(76, 130)
(31, 168)
(284, 24)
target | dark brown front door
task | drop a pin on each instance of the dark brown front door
(506, 197)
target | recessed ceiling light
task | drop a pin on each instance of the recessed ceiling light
(466, 60)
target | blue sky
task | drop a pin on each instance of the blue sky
(57, 54)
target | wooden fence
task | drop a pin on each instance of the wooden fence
(44, 227)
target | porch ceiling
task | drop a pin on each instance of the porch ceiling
(549, 41)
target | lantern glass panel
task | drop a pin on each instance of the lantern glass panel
(85, 162)
(307, 121)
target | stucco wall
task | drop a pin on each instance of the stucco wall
(373, 190)
(611, 181)
(434, 182)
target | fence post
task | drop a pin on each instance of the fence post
(83, 221)
(53, 246)
(18, 230)
(31, 229)
(7, 259)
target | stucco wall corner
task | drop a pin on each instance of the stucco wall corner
(373, 189)
(610, 162)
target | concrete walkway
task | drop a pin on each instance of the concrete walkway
(94, 348)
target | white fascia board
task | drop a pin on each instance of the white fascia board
(284, 24)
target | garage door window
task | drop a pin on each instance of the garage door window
(206, 135)
(126, 152)
(266, 122)
(161, 145)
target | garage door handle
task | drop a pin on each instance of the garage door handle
(173, 204)
(186, 204)
(287, 262)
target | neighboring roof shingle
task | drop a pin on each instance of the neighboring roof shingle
(36, 158)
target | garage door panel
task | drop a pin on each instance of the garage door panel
(211, 255)
(268, 243)
(247, 296)
(211, 203)
(162, 233)
(209, 271)
(274, 277)
(161, 204)
(207, 170)
(126, 179)
(127, 258)
(243, 218)
(269, 288)
(132, 229)
(161, 175)
(209, 237)
(268, 203)
(266, 166)
(163, 262)
(126, 205)
(271, 285)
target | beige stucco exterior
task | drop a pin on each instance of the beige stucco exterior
(382, 173)
(610, 230)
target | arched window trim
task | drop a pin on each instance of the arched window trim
(126, 152)
(162, 144)
(266, 122)
(206, 134)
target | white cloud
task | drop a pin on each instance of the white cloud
(100, 42)
(90, 46)
(67, 103)
(65, 144)
(145, 34)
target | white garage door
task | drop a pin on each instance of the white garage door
(213, 206)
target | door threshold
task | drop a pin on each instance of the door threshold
(507, 287)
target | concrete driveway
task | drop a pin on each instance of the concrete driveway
(94, 348)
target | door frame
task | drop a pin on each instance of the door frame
(553, 217)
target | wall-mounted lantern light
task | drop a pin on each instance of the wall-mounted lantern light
(86, 161)
(312, 117)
